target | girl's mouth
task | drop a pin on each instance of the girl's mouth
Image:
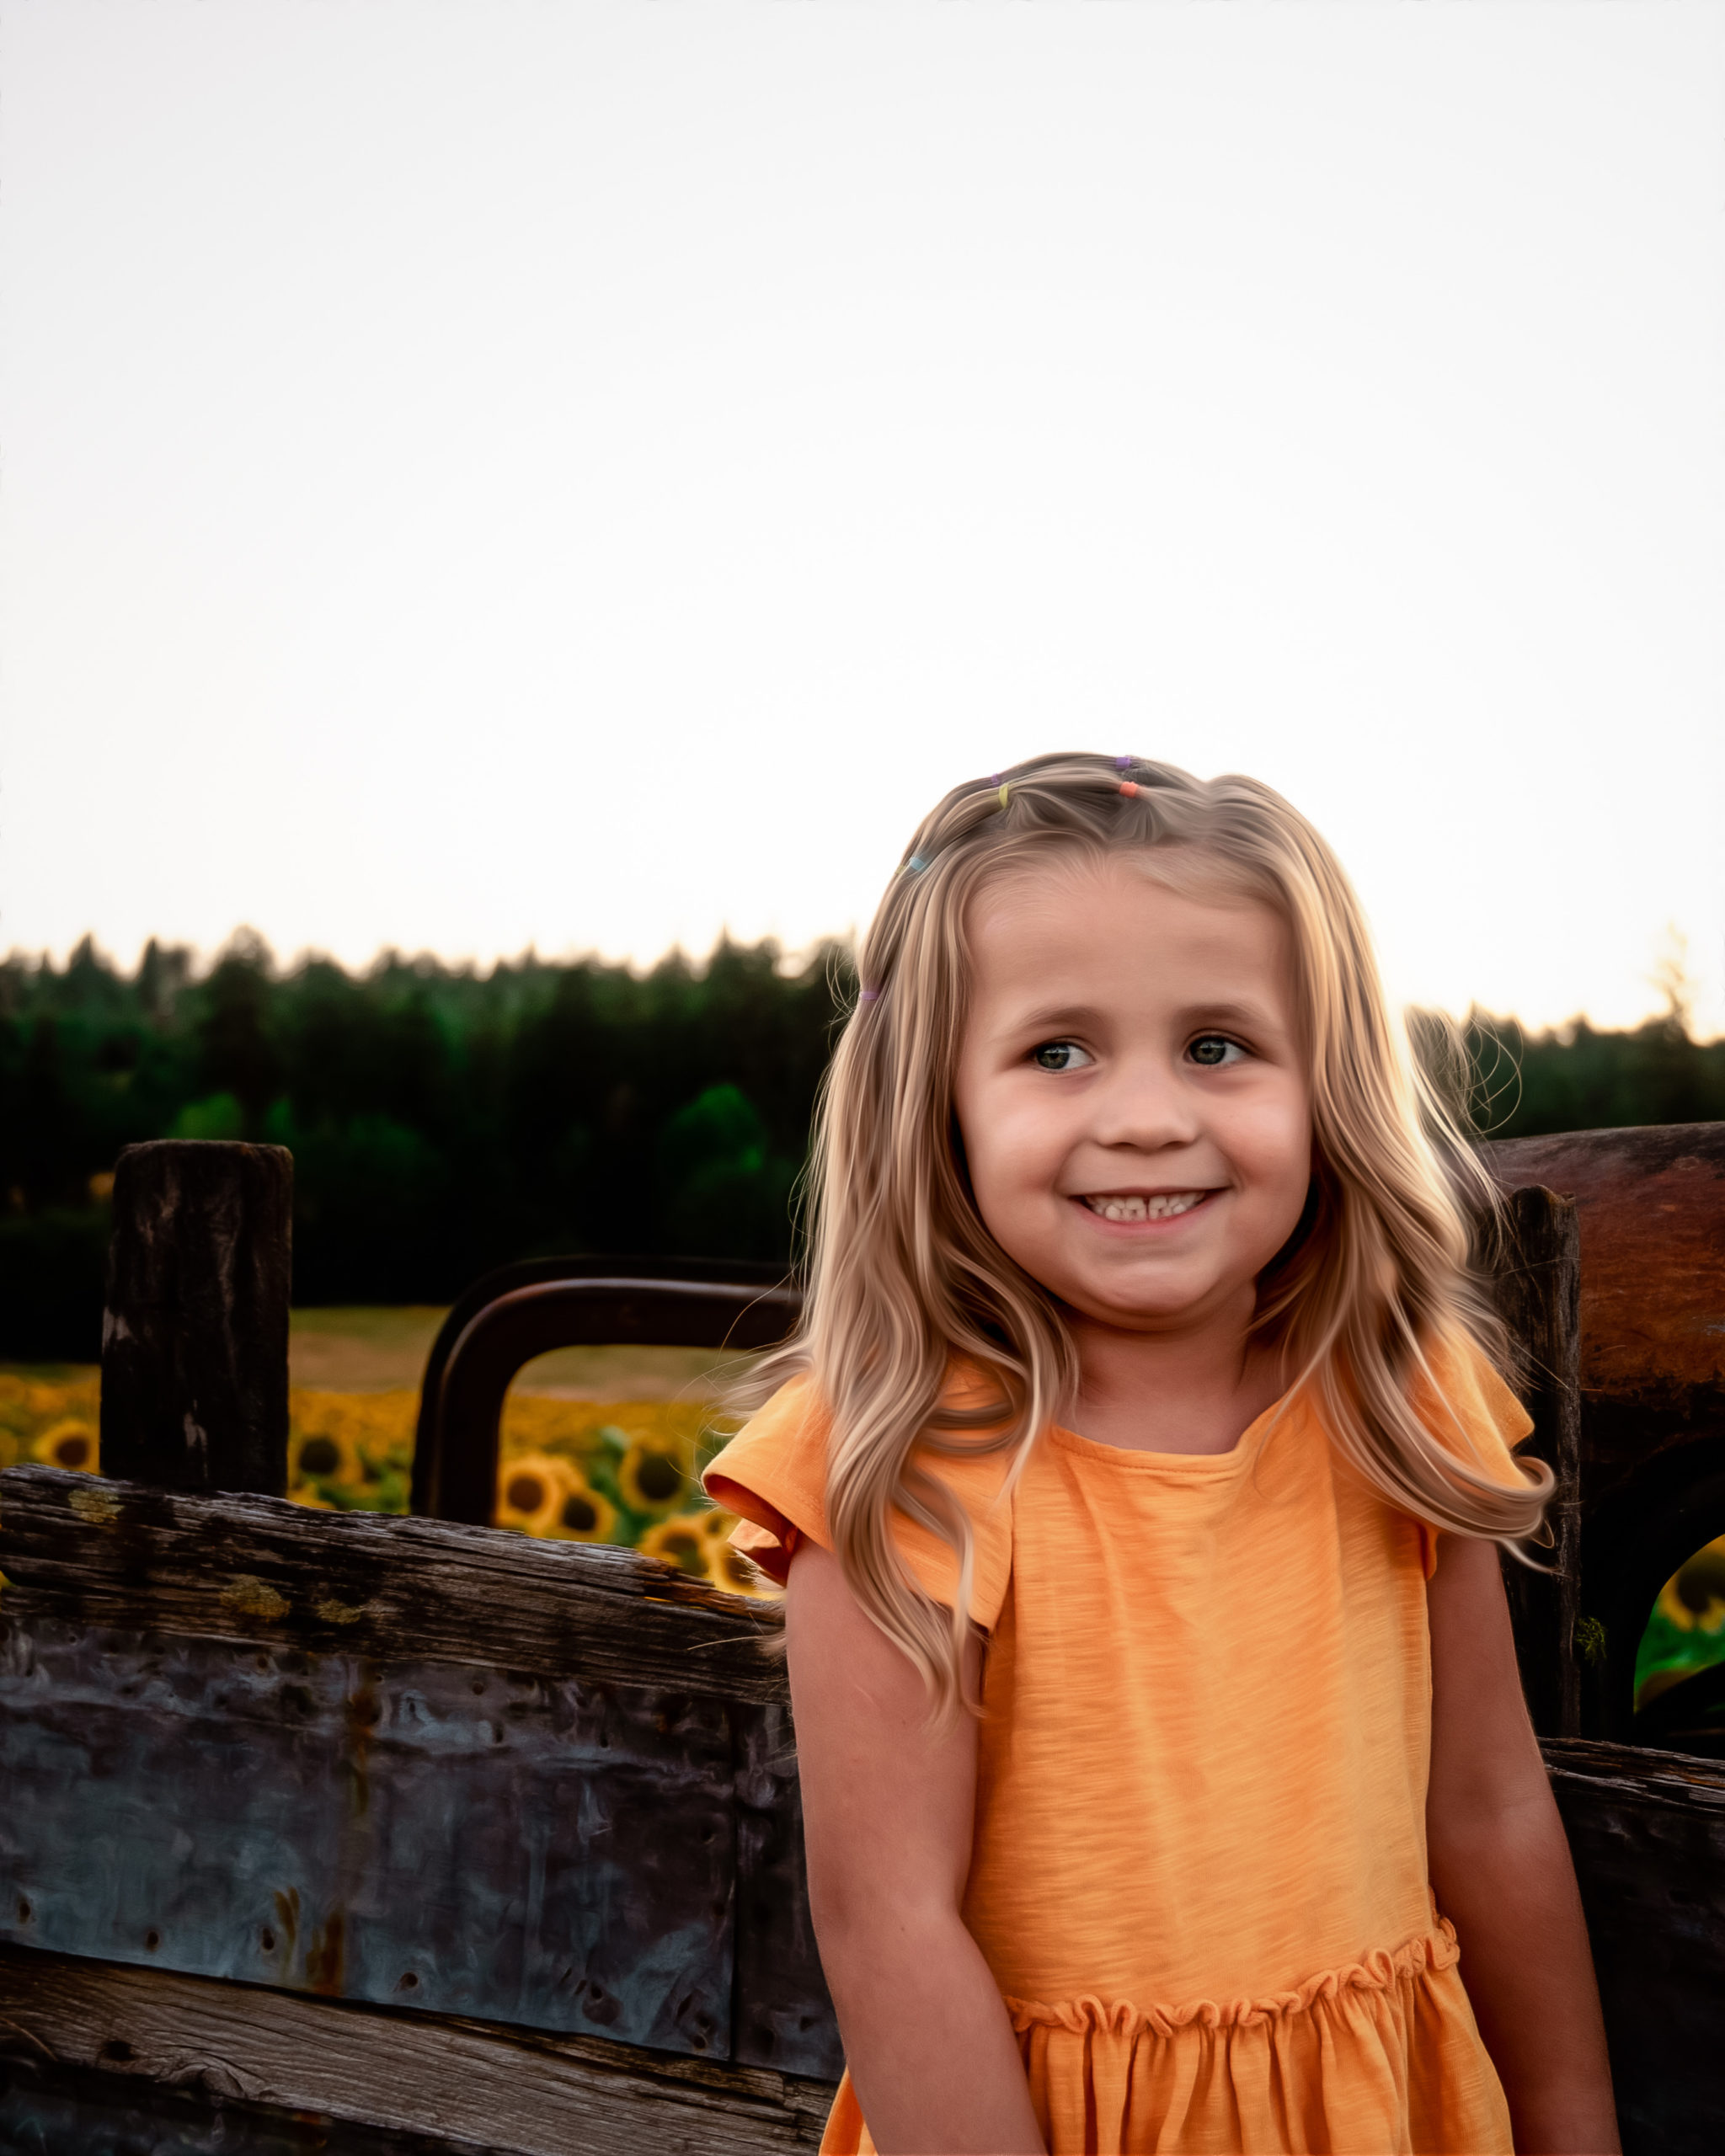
(1132, 1205)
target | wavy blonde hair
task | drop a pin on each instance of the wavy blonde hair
(903, 1277)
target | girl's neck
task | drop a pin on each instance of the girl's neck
(1177, 1392)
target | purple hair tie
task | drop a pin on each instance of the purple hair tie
(868, 994)
(1125, 763)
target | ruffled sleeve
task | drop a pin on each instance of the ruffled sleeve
(773, 1474)
(1473, 1415)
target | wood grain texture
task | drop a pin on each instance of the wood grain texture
(1535, 1283)
(455, 2081)
(61, 2111)
(1647, 1832)
(529, 1850)
(1651, 1204)
(278, 1574)
(783, 2013)
(194, 1333)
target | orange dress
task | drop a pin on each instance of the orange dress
(1199, 1872)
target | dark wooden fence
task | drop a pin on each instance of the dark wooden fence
(341, 1831)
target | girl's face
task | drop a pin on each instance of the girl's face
(1131, 1091)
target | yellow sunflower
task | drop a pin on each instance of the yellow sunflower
(585, 1514)
(324, 1455)
(681, 1543)
(70, 1443)
(716, 1523)
(728, 1567)
(1693, 1599)
(653, 1477)
(530, 1491)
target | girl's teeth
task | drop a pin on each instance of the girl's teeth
(1144, 1209)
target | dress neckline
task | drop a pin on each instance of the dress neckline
(1201, 1464)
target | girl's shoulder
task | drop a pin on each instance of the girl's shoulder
(773, 1474)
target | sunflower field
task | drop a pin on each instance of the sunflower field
(571, 1470)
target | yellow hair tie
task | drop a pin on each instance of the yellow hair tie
(1005, 791)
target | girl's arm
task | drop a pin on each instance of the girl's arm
(1500, 1867)
(887, 1816)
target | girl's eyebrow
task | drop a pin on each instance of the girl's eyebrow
(1052, 1017)
(1250, 1016)
(1057, 1015)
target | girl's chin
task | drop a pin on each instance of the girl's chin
(1115, 1294)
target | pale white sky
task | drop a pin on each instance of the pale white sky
(476, 474)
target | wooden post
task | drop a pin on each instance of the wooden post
(195, 1334)
(1537, 1285)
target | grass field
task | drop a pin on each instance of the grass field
(385, 1350)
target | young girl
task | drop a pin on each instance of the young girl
(1136, 1488)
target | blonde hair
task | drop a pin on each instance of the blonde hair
(903, 1277)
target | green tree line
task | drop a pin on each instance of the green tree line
(445, 1119)
(442, 1120)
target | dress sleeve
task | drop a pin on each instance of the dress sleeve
(1474, 1415)
(773, 1474)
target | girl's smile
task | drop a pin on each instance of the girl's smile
(1122, 1207)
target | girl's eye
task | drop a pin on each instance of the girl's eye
(1215, 1050)
(1060, 1055)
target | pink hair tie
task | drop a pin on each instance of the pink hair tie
(868, 995)
(1127, 788)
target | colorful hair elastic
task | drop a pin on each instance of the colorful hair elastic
(1128, 788)
(868, 994)
(914, 862)
(1125, 763)
(1005, 791)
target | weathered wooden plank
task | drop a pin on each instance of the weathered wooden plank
(1537, 1282)
(783, 2013)
(373, 1723)
(195, 1334)
(530, 1849)
(59, 2110)
(454, 2081)
(123, 1556)
(1652, 1209)
(1647, 1832)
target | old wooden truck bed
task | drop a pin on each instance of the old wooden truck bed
(339, 1832)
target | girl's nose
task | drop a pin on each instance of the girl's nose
(1144, 1107)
